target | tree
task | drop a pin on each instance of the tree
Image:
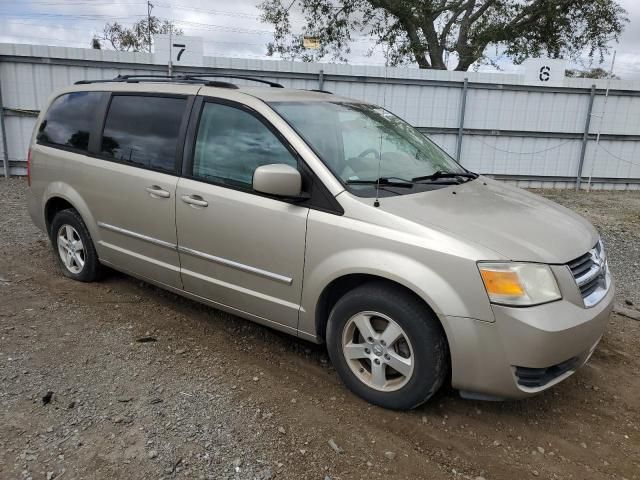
(426, 31)
(596, 72)
(136, 38)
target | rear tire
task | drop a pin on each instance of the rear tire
(73, 247)
(387, 346)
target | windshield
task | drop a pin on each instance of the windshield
(362, 143)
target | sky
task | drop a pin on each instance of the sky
(229, 28)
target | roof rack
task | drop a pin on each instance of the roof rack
(159, 79)
(225, 75)
(182, 78)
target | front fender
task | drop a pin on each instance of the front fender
(465, 297)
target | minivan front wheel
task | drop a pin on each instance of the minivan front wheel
(73, 247)
(387, 346)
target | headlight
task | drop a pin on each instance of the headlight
(522, 284)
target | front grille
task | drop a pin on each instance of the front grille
(539, 377)
(591, 274)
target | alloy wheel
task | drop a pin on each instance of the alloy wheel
(71, 249)
(378, 351)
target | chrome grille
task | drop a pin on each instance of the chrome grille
(591, 273)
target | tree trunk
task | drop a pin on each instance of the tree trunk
(421, 60)
(465, 62)
(436, 52)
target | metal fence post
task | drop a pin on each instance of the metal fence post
(5, 150)
(585, 137)
(463, 107)
(321, 80)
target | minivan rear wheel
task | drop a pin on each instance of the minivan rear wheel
(73, 247)
(387, 346)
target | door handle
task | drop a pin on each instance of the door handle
(195, 200)
(157, 192)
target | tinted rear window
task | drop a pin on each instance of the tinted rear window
(143, 130)
(69, 119)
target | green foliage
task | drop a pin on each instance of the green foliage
(426, 31)
(135, 38)
(590, 73)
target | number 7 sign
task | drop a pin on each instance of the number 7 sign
(180, 50)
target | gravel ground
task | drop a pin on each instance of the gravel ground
(218, 397)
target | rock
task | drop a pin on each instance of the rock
(282, 430)
(583, 445)
(47, 397)
(266, 474)
(124, 399)
(390, 455)
(71, 405)
(118, 419)
(535, 473)
(479, 478)
(626, 312)
(152, 454)
(628, 302)
(334, 446)
(181, 351)
(237, 462)
(496, 443)
(49, 475)
(146, 339)
(50, 429)
(255, 379)
(541, 450)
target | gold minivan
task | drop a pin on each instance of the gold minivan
(327, 218)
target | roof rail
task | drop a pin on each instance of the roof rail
(184, 78)
(159, 79)
(227, 75)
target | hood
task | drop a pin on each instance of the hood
(508, 220)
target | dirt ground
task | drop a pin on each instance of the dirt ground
(218, 397)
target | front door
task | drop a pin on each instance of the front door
(239, 248)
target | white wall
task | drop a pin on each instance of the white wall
(510, 128)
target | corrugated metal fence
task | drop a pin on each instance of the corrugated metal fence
(493, 123)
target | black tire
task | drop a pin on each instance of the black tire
(91, 270)
(421, 327)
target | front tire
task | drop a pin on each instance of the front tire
(73, 247)
(387, 346)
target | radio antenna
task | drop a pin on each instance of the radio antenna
(384, 102)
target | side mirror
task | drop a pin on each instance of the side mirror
(278, 179)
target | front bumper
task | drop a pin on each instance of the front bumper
(525, 350)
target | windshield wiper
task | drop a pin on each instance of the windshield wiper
(441, 174)
(387, 181)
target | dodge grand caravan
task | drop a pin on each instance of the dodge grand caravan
(327, 218)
